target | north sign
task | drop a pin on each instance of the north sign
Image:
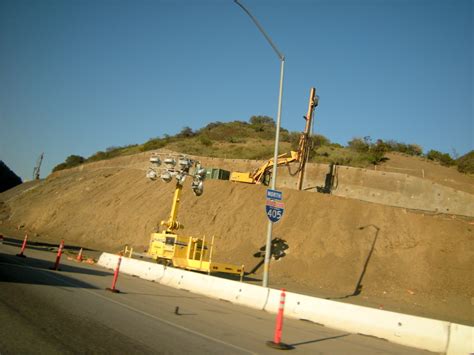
(274, 207)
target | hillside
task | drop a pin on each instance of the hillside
(8, 178)
(255, 140)
(403, 260)
(422, 167)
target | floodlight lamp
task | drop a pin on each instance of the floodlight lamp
(181, 178)
(166, 176)
(198, 187)
(155, 159)
(316, 101)
(184, 163)
(201, 173)
(170, 162)
(151, 174)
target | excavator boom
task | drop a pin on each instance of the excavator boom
(262, 174)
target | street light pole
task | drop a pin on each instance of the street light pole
(268, 245)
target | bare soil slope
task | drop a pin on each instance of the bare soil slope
(401, 260)
(422, 167)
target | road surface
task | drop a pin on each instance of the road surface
(69, 311)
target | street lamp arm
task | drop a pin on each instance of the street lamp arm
(267, 37)
(266, 265)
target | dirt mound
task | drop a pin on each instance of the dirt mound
(339, 248)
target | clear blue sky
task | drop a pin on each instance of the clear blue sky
(78, 76)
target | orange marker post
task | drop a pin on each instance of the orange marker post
(58, 256)
(23, 247)
(276, 343)
(116, 273)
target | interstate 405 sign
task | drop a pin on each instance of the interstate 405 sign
(274, 206)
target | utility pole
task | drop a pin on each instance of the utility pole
(304, 147)
(281, 57)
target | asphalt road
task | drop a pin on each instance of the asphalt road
(68, 311)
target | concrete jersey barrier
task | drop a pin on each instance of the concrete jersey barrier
(461, 340)
(404, 329)
(423, 333)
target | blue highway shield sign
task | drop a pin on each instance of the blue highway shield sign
(274, 210)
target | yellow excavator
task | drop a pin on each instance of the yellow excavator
(262, 174)
(167, 247)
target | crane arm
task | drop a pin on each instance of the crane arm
(301, 156)
(283, 159)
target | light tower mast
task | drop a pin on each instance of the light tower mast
(36, 170)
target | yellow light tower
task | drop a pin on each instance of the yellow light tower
(169, 248)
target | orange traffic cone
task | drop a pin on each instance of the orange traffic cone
(79, 256)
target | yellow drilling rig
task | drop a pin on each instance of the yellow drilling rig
(166, 246)
(262, 174)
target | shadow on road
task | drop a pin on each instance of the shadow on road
(162, 295)
(30, 270)
(41, 245)
(319, 340)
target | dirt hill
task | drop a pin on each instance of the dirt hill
(422, 167)
(402, 260)
(8, 178)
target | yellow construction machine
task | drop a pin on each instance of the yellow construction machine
(262, 174)
(166, 246)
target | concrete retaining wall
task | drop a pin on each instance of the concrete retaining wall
(387, 188)
(392, 189)
(418, 332)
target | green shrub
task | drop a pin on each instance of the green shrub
(232, 139)
(360, 145)
(316, 140)
(154, 143)
(443, 158)
(466, 163)
(186, 132)
(74, 160)
(376, 153)
(261, 121)
(59, 167)
(100, 155)
(204, 140)
(414, 149)
(284, 135)
(70, 162)
(294, 140)
(211, 126)
(319, 140)
(264, 126)
(369, 152)
(218, 131)
(410, 149)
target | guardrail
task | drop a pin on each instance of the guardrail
(418, 332)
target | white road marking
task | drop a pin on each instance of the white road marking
(52, 275)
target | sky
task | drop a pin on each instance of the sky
(79, 76)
